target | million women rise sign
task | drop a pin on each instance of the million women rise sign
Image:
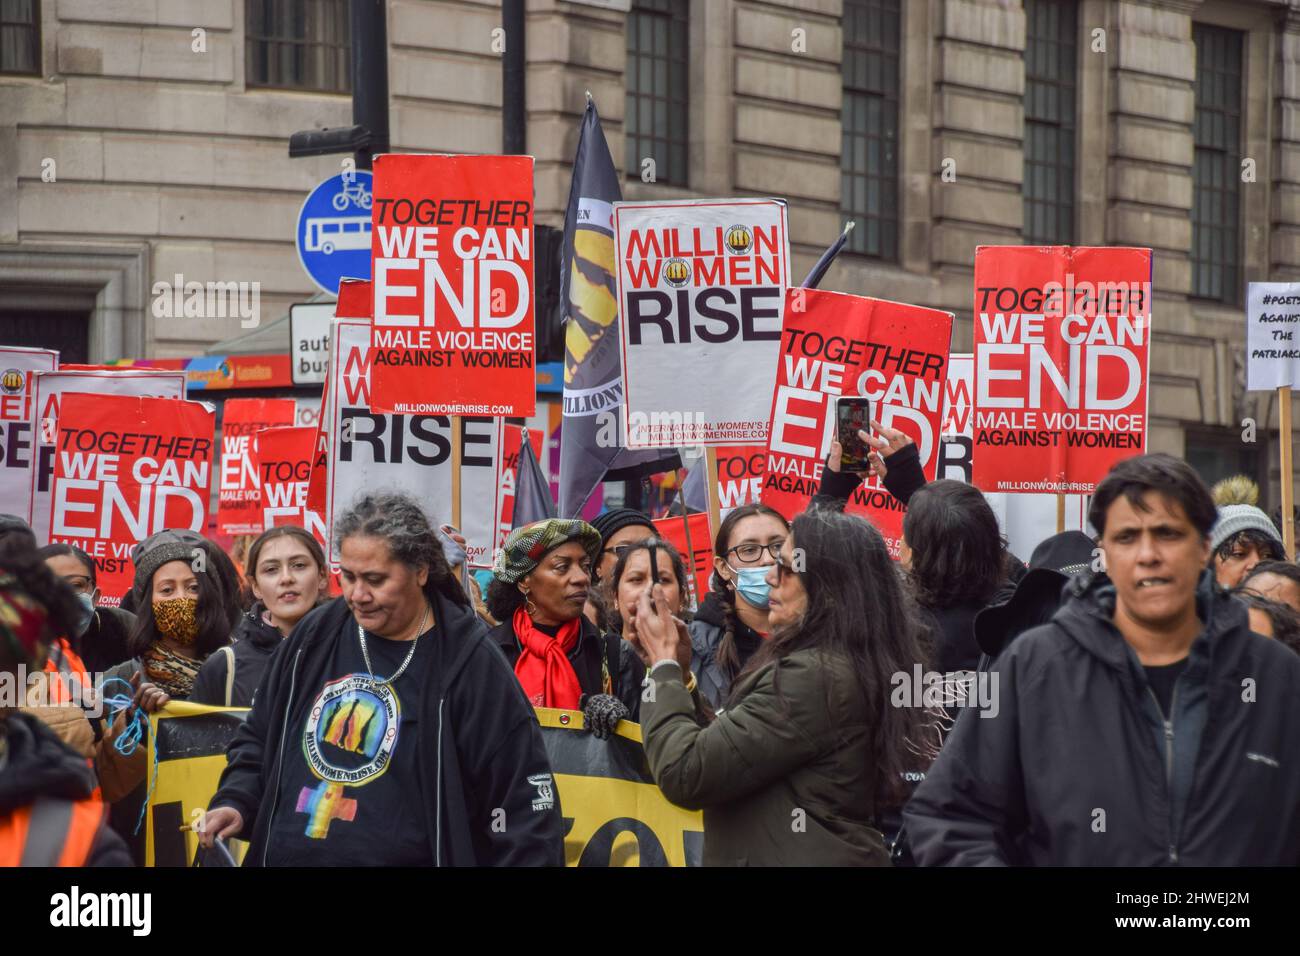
(452, 257)
(701, 287)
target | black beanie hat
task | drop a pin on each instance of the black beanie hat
(172, 544)
(611, 522)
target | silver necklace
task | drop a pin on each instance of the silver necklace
(361, 633)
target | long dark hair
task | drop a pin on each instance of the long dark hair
(663, 550)
(857, 610)
(958, 554)
(726, 655)
(218, 608)
(400, 521)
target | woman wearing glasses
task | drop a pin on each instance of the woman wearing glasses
(732, 621)
(809, 750)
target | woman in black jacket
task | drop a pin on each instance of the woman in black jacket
(287, 574)
(540, 584)
(388, 731)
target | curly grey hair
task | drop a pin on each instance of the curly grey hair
(400, 521)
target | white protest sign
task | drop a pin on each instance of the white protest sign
(701, 294)
(370, 451)
(17, 372)
(1272, 330)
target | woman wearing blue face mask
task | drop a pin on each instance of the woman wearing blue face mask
(732, 621)
(102, 644)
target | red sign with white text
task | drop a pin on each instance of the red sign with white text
(834, 344)
(698, 555)
(452, 267)
(239, 498)
(740, 475)
(125, 468)
(284, 459)
(1062, 336)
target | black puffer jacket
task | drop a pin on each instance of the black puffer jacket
(104, 644)
(255, 640)
(1078, 766)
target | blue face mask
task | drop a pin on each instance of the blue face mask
(751, 584)
(87, 613)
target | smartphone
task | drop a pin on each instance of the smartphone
(852, 412)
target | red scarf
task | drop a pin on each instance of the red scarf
(543, 668)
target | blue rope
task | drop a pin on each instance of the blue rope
(132, 736)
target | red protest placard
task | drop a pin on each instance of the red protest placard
(452, 257)
(698, 555)
(125, 468)
(239, 498)
(1061, 362)
(284, 457)
(834, 344)
(740, 475)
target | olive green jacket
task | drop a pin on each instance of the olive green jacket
(783, 779)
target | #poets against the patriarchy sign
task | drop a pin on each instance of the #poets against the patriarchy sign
(1062, 338)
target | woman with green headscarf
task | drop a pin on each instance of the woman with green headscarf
(539, 586)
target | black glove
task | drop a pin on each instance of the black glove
(601, 714)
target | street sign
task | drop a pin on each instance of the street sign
(333, 235)
(309, 341)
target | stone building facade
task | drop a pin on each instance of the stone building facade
(167, 160)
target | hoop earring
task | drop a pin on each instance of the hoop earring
(529, 607)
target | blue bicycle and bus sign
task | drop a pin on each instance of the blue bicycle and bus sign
(333, 235)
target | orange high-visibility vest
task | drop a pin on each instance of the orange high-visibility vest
(63, 660)
(51, 832)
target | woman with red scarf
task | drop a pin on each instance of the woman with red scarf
(539, 586)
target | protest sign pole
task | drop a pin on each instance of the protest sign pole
(711, 477)
(456, 451)
(1060, 513)
(1287, 476)
(686, 527)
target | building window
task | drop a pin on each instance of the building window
(656, 111)
(869, 124)
(298, 44)
(1216, 173)
(20, 37)
(1051, 39)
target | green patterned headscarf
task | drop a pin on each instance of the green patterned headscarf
(526, 546)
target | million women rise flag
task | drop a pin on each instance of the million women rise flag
(124, 469)
(452, 259)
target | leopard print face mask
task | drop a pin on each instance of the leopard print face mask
(177, 620)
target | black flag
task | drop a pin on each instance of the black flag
(532, 490)
(814, 278)
(592, 429)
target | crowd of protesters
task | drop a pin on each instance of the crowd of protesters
(1130, 700)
